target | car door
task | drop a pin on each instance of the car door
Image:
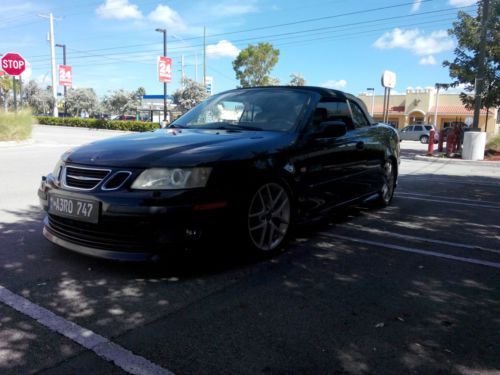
(405, 133)
(370, 152)
(418, 131)
(327, 165)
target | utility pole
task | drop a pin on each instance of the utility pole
(481, 68)
(196, 66)
(63, 46)
(182, 71)
(165, 108)
(204, 56)
(53, 60)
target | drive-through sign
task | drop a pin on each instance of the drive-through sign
(13, 64)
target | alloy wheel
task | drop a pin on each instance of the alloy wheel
(388, 186)
(269, 216)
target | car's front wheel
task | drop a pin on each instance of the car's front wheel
(269, 217)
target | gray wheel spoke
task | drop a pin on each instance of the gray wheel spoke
(269, 216)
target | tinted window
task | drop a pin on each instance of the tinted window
(407, 129)
(418, 128)
(333, 111)
(358, 117)
(428, 127)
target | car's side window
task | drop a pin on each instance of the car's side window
(332, 111)
(418, 128)
(358, 117)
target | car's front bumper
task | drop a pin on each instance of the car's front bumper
(134, 225)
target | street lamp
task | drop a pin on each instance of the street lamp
(373, 97)
(164, 31)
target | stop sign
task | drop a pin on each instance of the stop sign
(13, 64)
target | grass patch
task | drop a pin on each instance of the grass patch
(494, 143)
(136, 126)
(15, 126)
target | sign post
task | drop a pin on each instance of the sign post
(388, 81)
(13, 64)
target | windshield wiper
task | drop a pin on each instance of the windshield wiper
(230, 126)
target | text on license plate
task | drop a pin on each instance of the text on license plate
(74, 208)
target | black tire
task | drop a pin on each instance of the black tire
(386, 192)
(424, 139)
(268, 218)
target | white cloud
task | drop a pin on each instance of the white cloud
(168, 17)
(428, 60)
(461, 3)
(234, 9)
(333, 84)
(416, 6)
(118, 9)
(222, 49)
(415, 41)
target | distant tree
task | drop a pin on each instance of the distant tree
(188, 97)
(297, 80)
(38, 99)
(79, 100)
(122, 102)
(463, 70)
(253, 64)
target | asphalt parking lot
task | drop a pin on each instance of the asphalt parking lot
(410, 289)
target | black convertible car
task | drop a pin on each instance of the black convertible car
(247, 162)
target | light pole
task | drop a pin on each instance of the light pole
(63, 46)
(164, 31)
(373, 98)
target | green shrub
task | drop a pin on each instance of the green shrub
(135, 126)
(15, 126)
(494, 143)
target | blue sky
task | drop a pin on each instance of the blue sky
(343, 44)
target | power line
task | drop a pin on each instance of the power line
(300, 32)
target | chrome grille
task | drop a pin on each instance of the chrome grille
(83, 178)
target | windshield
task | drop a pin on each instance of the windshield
(253, 109)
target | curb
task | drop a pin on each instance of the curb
(83, 128)
(7, 144)
(456, 161)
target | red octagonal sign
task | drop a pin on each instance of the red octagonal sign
(13, 64)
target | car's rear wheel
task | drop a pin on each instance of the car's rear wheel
(269, 217)
(424, 139)
(386, 192)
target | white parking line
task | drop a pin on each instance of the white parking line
(446, 198)
(421, 239)
(100, 345)
(449, 202)
(450, 180)
(416, 251)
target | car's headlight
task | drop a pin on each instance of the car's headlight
(57, 170)
(172, 178)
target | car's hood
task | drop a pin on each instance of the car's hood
(178, 147)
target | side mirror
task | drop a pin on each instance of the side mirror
(330, 129)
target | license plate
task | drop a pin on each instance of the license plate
(77, 209)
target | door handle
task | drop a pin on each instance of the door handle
(360, 145)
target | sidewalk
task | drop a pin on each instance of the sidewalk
(455, 160)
